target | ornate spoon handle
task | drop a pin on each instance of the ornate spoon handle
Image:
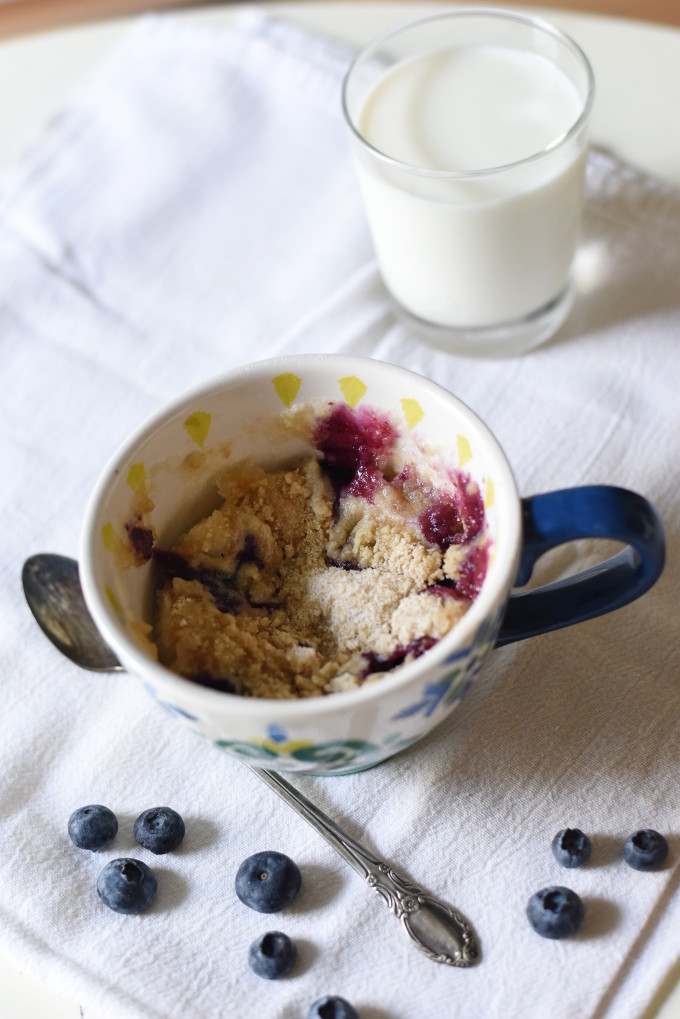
(435, 928)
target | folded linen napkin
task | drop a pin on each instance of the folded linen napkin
(194, 207)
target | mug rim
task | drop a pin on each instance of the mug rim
(160, 676)
(492, 13)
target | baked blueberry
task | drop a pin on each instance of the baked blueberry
(92, 827)
(645, 849)
(272, 955)
(159, 829)
(571, 848)
(555, 912)
(268, 881)
(126, 885)
(332, 1007)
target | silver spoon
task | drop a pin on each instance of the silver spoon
(52, 588)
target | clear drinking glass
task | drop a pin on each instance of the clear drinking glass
(469, 134)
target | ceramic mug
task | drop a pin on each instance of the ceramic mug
(162, 480)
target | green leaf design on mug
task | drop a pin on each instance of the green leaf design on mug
(338, 752)
(243, 749)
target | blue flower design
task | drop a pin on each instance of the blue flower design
(276, 734)
(172, 709)
(433, 695)
(457, 655)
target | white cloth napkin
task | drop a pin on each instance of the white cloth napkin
(193, 208)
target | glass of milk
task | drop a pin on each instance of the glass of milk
(469, 132)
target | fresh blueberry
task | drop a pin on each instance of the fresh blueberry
(645, 849)
(126, 885)
(159, 829)
(268, 881)
(571, 848)
(92, 827)
(272, 955)
(555, 912)
(332, 1007)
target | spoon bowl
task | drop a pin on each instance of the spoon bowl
(52, 588)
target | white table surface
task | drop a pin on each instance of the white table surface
(637, 69)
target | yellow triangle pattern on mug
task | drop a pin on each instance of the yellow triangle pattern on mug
(197, 426)
(353, 389)
(108, 591)
(413, 412)
(109, 537)
(464, 450)
(136, 477)
(286, 386)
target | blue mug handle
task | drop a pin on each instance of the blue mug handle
(593, 511)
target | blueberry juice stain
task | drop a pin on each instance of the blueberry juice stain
(356, 446)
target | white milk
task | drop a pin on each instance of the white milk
(483, 249)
